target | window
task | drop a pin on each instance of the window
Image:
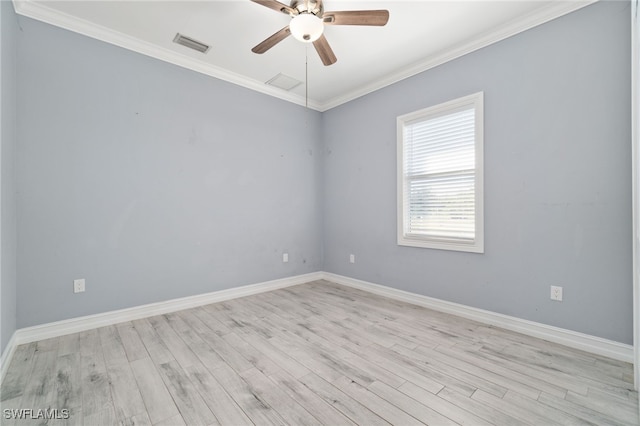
(440, 158)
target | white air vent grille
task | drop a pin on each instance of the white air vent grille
(191, 43)
(284, 82)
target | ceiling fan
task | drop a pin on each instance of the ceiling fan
(308, 21)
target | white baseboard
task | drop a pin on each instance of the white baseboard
(568, 338)
(573, 339)
(6, 356)
(75, 325)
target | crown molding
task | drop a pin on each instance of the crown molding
(39, 11)
(553, 11)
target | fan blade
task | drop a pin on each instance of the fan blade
(276, 5)
(376, 18)
(272, 41)
(324, 50)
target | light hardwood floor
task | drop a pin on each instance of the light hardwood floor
(317, 353)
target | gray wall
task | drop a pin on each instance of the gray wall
(557, 178)
(151, 181)
(154, 182)
(8, 32)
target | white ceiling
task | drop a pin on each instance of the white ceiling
(419, 35)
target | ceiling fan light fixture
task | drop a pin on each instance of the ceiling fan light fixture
(306, 27)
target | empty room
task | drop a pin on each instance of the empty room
(255, 212)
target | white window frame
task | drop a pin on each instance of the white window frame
(419, 240)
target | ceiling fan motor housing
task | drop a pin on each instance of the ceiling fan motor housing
(314, 7)
(308, 21)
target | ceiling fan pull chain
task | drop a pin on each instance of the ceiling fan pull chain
(306, 76)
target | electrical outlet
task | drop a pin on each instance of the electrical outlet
(352, 258)
(556, 293)
(78, 285)
(285, 257)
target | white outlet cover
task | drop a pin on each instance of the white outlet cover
(285, 257)
(556, 293)
(78, 285)
(352, 258)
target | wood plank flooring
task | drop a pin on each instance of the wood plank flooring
(314, 354)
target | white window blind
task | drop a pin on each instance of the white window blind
(440, 182)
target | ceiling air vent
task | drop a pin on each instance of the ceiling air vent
(191, 43)
(284, 82)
